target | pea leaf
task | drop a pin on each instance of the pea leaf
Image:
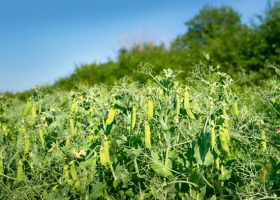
(97, 191)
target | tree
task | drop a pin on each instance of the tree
(270, 31)
(210, 23)
(215, 30)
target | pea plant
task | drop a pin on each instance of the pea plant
(195, 139)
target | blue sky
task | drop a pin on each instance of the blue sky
(43, 40)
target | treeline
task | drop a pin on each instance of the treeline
(233, 45)
(236, 47)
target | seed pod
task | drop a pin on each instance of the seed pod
(222, 171)
(33, 112)
(187, 100)
(32, 118)
(223, 141)
(213, 138)
(4, 128)
(226, 124)
(150, 109)
(72, 126)
(226, 95)
(104, 153)
(102, 157)
(263, 142)
(211, 104)
(177, 108)
(235, 108)
(226, 133)
(74, 108)
(27, 108)
(22, 131)
(41, 136)
(66, 171)
(68, 142)
(217, 163)
(110, 117)
(190, 114)
(106, 150)
(147, 135)
(133, 117)
(20, 170)
(1, 164)
(73, 105)
(74, 176)
(66, 174)
(27, 145)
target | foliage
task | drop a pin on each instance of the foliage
(88, 75)
(218, 31)
(270, 32)
(235, 46)
(163, 140)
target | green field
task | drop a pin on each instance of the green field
(208, 128)
(201, 138)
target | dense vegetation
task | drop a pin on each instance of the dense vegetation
(209, 128)
(235, 46)
(165, 140)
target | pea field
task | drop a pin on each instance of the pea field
(201, 138)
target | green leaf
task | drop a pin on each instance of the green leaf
(202, 193)
(209, 159)
(121, 139)
(201, 158)
(172, 154)
(83, 111)
(51, 196)
(225, 174)
(97, 191)
(129, 192)
(169, 163)
(197, 155)
(120, 194)
(159, 167)
(87, 163)
(133, 151)
(192, 194)
(197, 177)
(171, 191)
(213, 197)
(116, 183)
(167, 137)
(125, 176)
(196, 195)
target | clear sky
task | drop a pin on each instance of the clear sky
(44, 40)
